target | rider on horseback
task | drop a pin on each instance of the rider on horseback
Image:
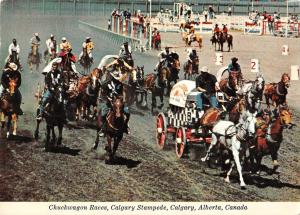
(51, 45)
(207, 84)
(111, 88)
(126, 54)
(191, 35)
(217, 29)
(234, 67)
(14, 48)
(87, 45)
(164, 56)
(225, 30)
(12, 73)
(53, 80)
(35, 40)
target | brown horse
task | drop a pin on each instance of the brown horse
(88, 90)
(171, 71)
(269, 137)
(230, 85)
(237, 109)
(156, 84)
(210, 117)
(221, 38)
(7, 108)
(190, 69)
(196, 38)
(115, 126)
(34, 58)
(85, 61)
(271, 91)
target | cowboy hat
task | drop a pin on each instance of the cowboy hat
(204, 69)
(234, 59)
(13, 66)
(36, 34)
(63, 39)
(88, 38)
(51, 35)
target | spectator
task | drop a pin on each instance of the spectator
(270, 19)
(158, 41)
(229, 11)
(205, 14)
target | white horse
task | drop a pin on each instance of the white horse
(253, 90)
(231, 137)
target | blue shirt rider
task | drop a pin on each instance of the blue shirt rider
(53, 80)
(235, 67)
(207, 84)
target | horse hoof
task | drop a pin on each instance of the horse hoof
(14, 133)
(227, 180)
(243, 187)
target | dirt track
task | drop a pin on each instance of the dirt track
(143, 173)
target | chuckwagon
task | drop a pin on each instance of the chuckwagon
(182, 119)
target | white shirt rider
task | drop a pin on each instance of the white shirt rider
(50, 44)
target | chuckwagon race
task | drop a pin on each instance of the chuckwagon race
(149, 101)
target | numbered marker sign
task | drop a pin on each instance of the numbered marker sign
(285, 50)
(254, 65)
(295, 70)
(219, 58)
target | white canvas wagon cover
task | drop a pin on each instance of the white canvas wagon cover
(180, 91)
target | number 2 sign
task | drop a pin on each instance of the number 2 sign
(254, 65)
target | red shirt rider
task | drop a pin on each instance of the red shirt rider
(225, 29)
(216, 29)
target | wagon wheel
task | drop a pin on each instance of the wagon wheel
(180, 144)
(161, 130)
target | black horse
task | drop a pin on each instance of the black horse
(221, 38)
(55, 116)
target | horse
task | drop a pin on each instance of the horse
(269, 137)
(271, 91)
(155, 83)
(235, 109)
(191, 69)
(55, 116)
(171, 70)
(34, 58)
(88, 90)
(115, 126)
(253, 91)
(13, 58)
(220, 38)
(140, 79)
(230, 136)
(196, 38)
(85, 61)
(67, 64)
(230, 85)
(7, 107)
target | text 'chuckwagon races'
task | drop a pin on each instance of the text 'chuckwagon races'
(150, 207)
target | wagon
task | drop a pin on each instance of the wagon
(182, 119)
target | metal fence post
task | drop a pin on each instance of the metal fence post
(90, 12)
(74, 7)
(44, 7)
